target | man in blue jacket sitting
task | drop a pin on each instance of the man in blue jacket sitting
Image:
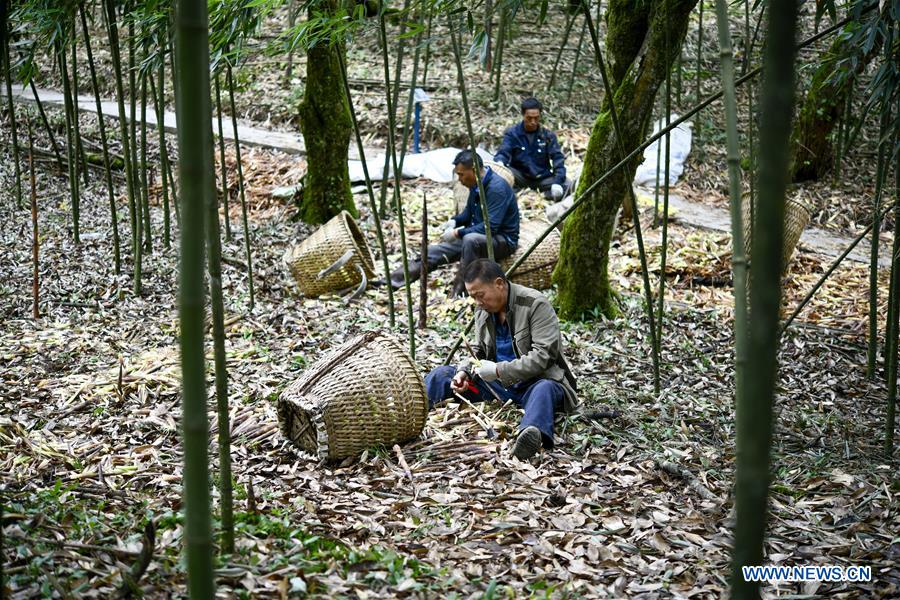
(533, 154)
(464, 238)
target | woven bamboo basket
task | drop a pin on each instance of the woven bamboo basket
(320, 250)
(461, 192)
(368, 391)
(537, 270)
(796, 217)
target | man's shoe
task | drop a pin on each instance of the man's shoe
(528, 443)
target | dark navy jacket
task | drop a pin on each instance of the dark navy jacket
(501, 206)
(533, 161)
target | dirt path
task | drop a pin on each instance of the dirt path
(291, 143)
(820, 241)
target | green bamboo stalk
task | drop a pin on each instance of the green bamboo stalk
(141, 212)
(756, 396)
(576, 61)
(292, 20)
(488, 27)
(222, 159)
(844, 143)
(751, 120)
(164, 167)
(398, 204)
(614, 113)
(132, 98)
(7, 71)
(570, 20)
(113, 35)
(110, 188)
(71, 141)
(894, 326)
(75, 110)
(699, 125)
(428, 47)
(501, 44)
(35, 239)
(372, 203)
(145, 172)
(198, 182)
(678, 79)
(733, 146)
(404, 146)
(214, 265)
(40, 106)
(884, 140)
(240, 170)
(394, 93)
(482, 197)
(656, 187)
(665, 215)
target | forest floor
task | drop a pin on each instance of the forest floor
(634, 501)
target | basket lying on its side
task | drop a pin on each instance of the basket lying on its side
(367, 391)
(328, 244)
(796, 217)
(461, 192)
(537, 270)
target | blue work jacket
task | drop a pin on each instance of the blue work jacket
(501, 206)
(540, 160)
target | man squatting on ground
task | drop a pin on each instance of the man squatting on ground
(464, 237)
(519, 347)
(533, 154)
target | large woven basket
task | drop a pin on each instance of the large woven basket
(368, 391)
(796, 217)
(461, 192)
(320, 250)
(537, 270)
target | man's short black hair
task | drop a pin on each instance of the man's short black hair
(531, 102)
(468, 159)
(484, 270)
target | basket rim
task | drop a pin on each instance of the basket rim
(359, 242)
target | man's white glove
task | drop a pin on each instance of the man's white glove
(449, 235)
(450, 224)
(488, 370)
(556, 191)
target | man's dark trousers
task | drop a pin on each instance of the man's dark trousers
(539, 398)
(520, 181)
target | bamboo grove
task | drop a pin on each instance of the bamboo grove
(186, 55)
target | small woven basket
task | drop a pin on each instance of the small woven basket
(537, 270)
(461, 192)
(325, 246)
(796, 217)
(367, 391)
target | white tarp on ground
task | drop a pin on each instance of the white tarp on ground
(436, 165)
(681, 146)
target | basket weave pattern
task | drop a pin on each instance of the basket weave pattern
(367, 391)
(796, 217)
(537, 270)
(321, 249)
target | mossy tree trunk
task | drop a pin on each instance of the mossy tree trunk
(812, 152)
(635, 45)
(326, 126)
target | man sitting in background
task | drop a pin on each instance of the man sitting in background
(464, 237)
(533, 154)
